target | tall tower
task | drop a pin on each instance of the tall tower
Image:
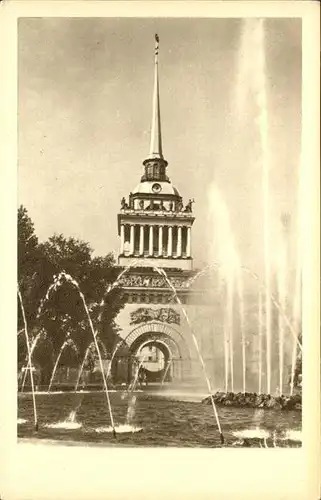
(154, 225)
(155, 232)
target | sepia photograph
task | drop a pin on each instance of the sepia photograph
(158, 231)
(160, 218)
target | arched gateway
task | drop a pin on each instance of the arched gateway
(162, 351)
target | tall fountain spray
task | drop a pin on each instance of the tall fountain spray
(297, 301)
(282, 284)
(223, 293)
(240, 292)
(223, 248)
(297, 322)
(252, 85)
(230, 324)
(263, 128)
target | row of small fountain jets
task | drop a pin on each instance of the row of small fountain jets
(64, 277)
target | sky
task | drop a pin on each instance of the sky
(85, 103)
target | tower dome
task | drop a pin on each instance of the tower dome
(158, 188)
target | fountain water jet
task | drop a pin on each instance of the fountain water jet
(132, 386)
(33, 346)
(242, 325)
(223, 268)
(132, 397)
(259, 75)
(70, 280)
(82, 367)
(166, 371)
(163, 273)
(113, 285)
(296, 314)
(67, 343)
(260, 321)
(298, 276)
(29, 360)
(230, 326)
(282, 295)
(276, 304)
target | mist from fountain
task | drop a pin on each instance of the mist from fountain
(230, 269)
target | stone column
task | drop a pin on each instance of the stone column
(141, 240)
(160, 241)
(132, 242)
(188, 245)
(170, 241)
(151, 241)
(122, 238)
(179, 242)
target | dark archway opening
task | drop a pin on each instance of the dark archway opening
(154, 357)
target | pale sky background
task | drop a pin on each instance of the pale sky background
(85, 93)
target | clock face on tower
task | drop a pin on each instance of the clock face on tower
(156, 188)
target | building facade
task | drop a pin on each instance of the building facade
(155, 258)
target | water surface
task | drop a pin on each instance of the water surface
(164, 420)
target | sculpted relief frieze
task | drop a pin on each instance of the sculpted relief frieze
(152, 281)
(145, 314)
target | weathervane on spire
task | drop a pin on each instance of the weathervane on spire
(156, 44)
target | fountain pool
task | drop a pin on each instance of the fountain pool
(162, 419)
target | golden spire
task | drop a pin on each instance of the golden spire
(156, 150)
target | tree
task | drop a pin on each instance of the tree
(28, 259)
(63, 311)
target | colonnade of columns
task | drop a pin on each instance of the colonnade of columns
(156, 240)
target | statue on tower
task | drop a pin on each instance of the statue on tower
(131, 201)
(180, 206)
(188, 207)
(123, 204)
